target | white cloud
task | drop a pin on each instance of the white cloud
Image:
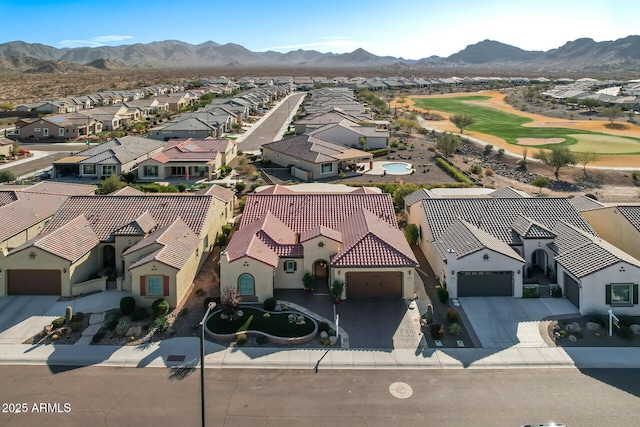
(94, 41)
(328, 44)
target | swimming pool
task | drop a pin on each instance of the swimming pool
(397, 168)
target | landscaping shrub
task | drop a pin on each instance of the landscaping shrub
(181, 187)
(476, 168)
(443, 295)
(453, 316)
(226, 229)
(626, 320)
(455, 329)
(380, 152)
(78, 317)
(59, 322)
(183, 311)
(591, 196)
(76, 326)
(139, 313)
(127, 304)
(624, 332)
(324, 327)
(208, 300)
(270, 304)
(489, 172)
(221, 240)
(488, 148)
(240, 186)
(452, 171)
(110, 321)
(160, 307)
(436, 331)
(121, 328)
(97, 337)
(161, 323)
(530, 293)
(556, 292)
(241, 340)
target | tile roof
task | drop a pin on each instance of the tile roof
(465, 239)
(217, 191)
(108, 214)
(26, 210)
(417, 196)
(71, 241)
(370, 241)
(530, 229)
(192, 149)
(632, 213)
(176, 240)
(60, 188)
(321, 231)
(582, 254)
(497, 215)
(127, 191)
(120, 150)
(140, 226)
(584, 203)
(7, 197)
(303, 211)
(508, 192)
(277, 189)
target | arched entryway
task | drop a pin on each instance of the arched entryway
(321, 274)
(108, 257)
(539, 259)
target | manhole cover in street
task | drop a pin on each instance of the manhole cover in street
(400, 390)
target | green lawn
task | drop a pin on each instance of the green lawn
(277, 324)
(510, 127)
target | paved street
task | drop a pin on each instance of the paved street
(272, 126)
(163, 397)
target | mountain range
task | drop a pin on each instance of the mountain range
(581, 55)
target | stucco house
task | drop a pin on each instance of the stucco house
(350, 236)
(26, 212)
(619, 225)
(313, 158)
(352, 134)
(115, 157)
(186, 127)
(496, 244)
(188, 158)
(151, 246)
(62, 127)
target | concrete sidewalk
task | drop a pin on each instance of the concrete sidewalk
(184, 352)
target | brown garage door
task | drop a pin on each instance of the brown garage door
(374, 284)
(33, 282)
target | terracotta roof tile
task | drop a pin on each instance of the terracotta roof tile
(218, 192)
(127, 191)
(321, 231)
(60, 188)
(26, 210)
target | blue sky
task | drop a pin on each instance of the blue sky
(411, 29)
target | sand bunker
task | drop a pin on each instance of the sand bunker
(539, 141)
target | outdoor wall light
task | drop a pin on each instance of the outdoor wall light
(453, 272)
(64, 270)
(622, 270)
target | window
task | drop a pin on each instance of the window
(45, 131)
(88, 169)
(290, 266)
(61, 132)
(108, 170)
(36, 129)
(154, 286)
(246, 284)
(622, 294)
(327, 167)
(150, 171)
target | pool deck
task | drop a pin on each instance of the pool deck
(377, 168)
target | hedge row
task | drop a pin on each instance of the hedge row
(380, 152)
(452, 171)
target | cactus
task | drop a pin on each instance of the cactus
(68, 315)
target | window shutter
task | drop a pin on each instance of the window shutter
(295, 265)
(165, 285)
(607, 297)
(143, 288)
(635, 294)
(284, 266)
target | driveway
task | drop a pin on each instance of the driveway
(380, 323)
(23, 316)
(501, 322)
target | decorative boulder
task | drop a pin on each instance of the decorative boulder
(575, 327)
(134, 331)
(592, 326)
(572, 338)
(635, 328)
(333, 340)
(48, 329)
(324, 335)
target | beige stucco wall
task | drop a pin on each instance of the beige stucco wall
(293, 280)
(593, 290)
(24, 236)
(148, 270)
(613, 227)
(186, 275)
(44, 260)
(262, 275)
(286, 160)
